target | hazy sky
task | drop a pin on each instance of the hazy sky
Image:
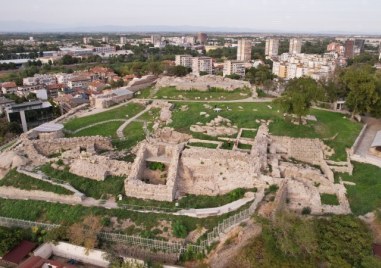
(279, 15)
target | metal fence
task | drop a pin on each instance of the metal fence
(156, 244)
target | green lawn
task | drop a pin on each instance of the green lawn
(329, 199)
(91, 188)
(107, 130)
(244, 146)
(144, 93)
(204, 145)
(212, 94)
(328, 125)
(24, 182)
(249, 134)
(365, 196)
(134, 132)
(130, 109)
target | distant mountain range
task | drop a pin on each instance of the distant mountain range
(38, 27)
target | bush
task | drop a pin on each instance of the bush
(179, 229)
(156, 166)
(306, 211)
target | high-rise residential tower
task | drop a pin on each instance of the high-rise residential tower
(272, 47)
(295, 46)
(244, 50)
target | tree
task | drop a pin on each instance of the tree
(299, 95)
(85, 233)
(361, 82)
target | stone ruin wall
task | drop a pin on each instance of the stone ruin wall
(310, 151)
(259, 149)
(99, 167)
(280, 198)
(134, 187)
(50, 147)
(201, 83)
(206, 171)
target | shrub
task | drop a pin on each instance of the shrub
(179, 229)
(306, 211)
(156, 166)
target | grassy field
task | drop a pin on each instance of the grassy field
(249, 134)
(329, 199)
(212, 94)
(145, 93)
(327, 126)
(96, 189)
(365, 196)
(130, 109)
(134, 132)
(107, 130)
(24, 182)
(204, 145)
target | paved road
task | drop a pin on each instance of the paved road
(374, 125)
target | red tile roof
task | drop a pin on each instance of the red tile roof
(18, 254)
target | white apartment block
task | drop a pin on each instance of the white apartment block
(105, 39)
(87, 40)
(234, 67)
(40, 79)
(272, 47)
(295, 46)
(295, 66)
(123, 40)
(64, 78)
(106, 49)
(244, 50)
(184, 60)
(202, 64)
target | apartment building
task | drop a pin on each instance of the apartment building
(272, 47)
(39, 79)
(234, 67)
(294, 66)
(295, 46)
(105, 39)
(87, 40)
(106, 49)
(123, 40)
(202, 64)
(244, 50)
(184, 60)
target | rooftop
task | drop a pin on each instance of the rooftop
(17, 254)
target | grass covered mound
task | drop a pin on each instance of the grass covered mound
(120, 112)
(211, 94)
(24, 182)
(329, 125)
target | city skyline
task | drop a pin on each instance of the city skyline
(340, 16)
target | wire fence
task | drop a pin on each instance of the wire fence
(155, 244)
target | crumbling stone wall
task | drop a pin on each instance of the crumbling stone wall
(50, 147)
(206, 171)
(259, 149)
(99, 167)
(202, 83)
(135, 187)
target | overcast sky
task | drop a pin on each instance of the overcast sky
(265, 15)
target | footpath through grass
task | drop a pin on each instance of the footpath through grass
(190, 201)
(365, 196)
(329, 125)
(111, 186)
(120, 112)
(24, 182)
(212, 94)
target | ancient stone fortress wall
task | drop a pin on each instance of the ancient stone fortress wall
(201, 83)
(260, 148)
(99, 167)
(49, 147)
(206, 171)
(158, 152)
